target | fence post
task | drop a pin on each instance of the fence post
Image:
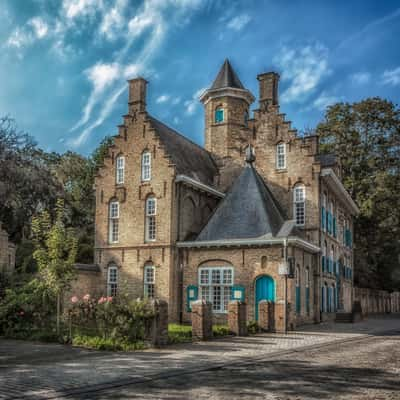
(201, 320)
(159, 326)
(237, 318)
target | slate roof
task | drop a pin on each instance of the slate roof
(327, 160)
(189, 158)
(249, 210)
(227, 77)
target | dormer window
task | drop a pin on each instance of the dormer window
(219, 115)
(281, 156)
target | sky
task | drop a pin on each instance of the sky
(64, 63)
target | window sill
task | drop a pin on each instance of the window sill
(281, 170)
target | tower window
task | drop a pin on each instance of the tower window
(246, 118)
(150, 219)
(149, 281)
(281, 156)
(219, 115)
(299, 202)
(114, 222)
(146, 166)
(120, 172)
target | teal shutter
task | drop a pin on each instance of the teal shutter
(323, 218)
(322, 299)
(323, 263)
(192, 293)
(219, 115)
(298, 300)
(237, 293)
(334, 226)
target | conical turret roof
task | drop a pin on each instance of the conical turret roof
(227, 77)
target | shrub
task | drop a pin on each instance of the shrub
(179, 333)
(101, 343)
(221, 330)
(252, 327)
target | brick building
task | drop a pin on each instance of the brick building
(7, 253)
(181, 222)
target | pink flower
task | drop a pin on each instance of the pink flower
(102, 300)
(74, 299)
(21, 313)
(109, 298)
(86, 297)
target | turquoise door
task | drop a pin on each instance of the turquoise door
(265, 290)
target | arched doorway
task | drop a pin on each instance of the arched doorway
(264, 290)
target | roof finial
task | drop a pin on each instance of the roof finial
(250, 154)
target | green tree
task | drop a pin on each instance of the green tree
(366, 137)
(55, 252)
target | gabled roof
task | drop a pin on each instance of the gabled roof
(249, 210)
(227, 77)
(189, 158)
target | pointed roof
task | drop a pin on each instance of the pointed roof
(227, 77)
(189, 158)
(249, 210)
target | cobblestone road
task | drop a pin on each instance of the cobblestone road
(326, 361)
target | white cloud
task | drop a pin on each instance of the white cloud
(391, 77)
(192, 104)
(239, 22)
(78, 8)
(361, 78)
(39, 26)
(19, 39)
(162, 99)
(304, 68)
(113, 20)
(324, 100)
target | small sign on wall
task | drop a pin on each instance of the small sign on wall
(283, 269)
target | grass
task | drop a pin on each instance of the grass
(183, 333)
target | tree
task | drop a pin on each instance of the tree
(55, 252)
(366, 137)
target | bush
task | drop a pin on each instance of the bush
(179, 333)
(252, 327)
(221, 330)
(101, 343)
(25, 310)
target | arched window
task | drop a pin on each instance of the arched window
(151, 210)
(246, 118)
(149, 281)
(146, 166)
(112, 280)
(281, 156)
(298, 293)
(113, 222)
(215, 286)
(219, 115)
(299, 203)
(120, 170)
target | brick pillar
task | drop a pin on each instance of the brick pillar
(266, 315)
(237, 318)
(201, 320)
(280, 318)
(159, 328)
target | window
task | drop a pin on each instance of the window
(149, 281)
(151, 209)
(120, 171)
(298, 293)
(219, 115)
(112, 280)
(215, 286)
(246, 118)
(146, 166)
(299, 204)
(113, 225)
(332, 261)
(307, 279)
(281, 156)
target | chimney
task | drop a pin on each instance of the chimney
(137, 94)
(268, 89)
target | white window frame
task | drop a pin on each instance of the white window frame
(120, 170)
(113, 222)
(112, 280)
(151, 223)
(216, 291)
(146, 166)
(299, 202)
(149, 281)
(281, 156)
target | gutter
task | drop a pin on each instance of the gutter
(251, 242)
(328, 172)
(199, 185)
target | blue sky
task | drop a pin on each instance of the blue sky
(64, 63)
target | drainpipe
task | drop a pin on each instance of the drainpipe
(285, 284)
